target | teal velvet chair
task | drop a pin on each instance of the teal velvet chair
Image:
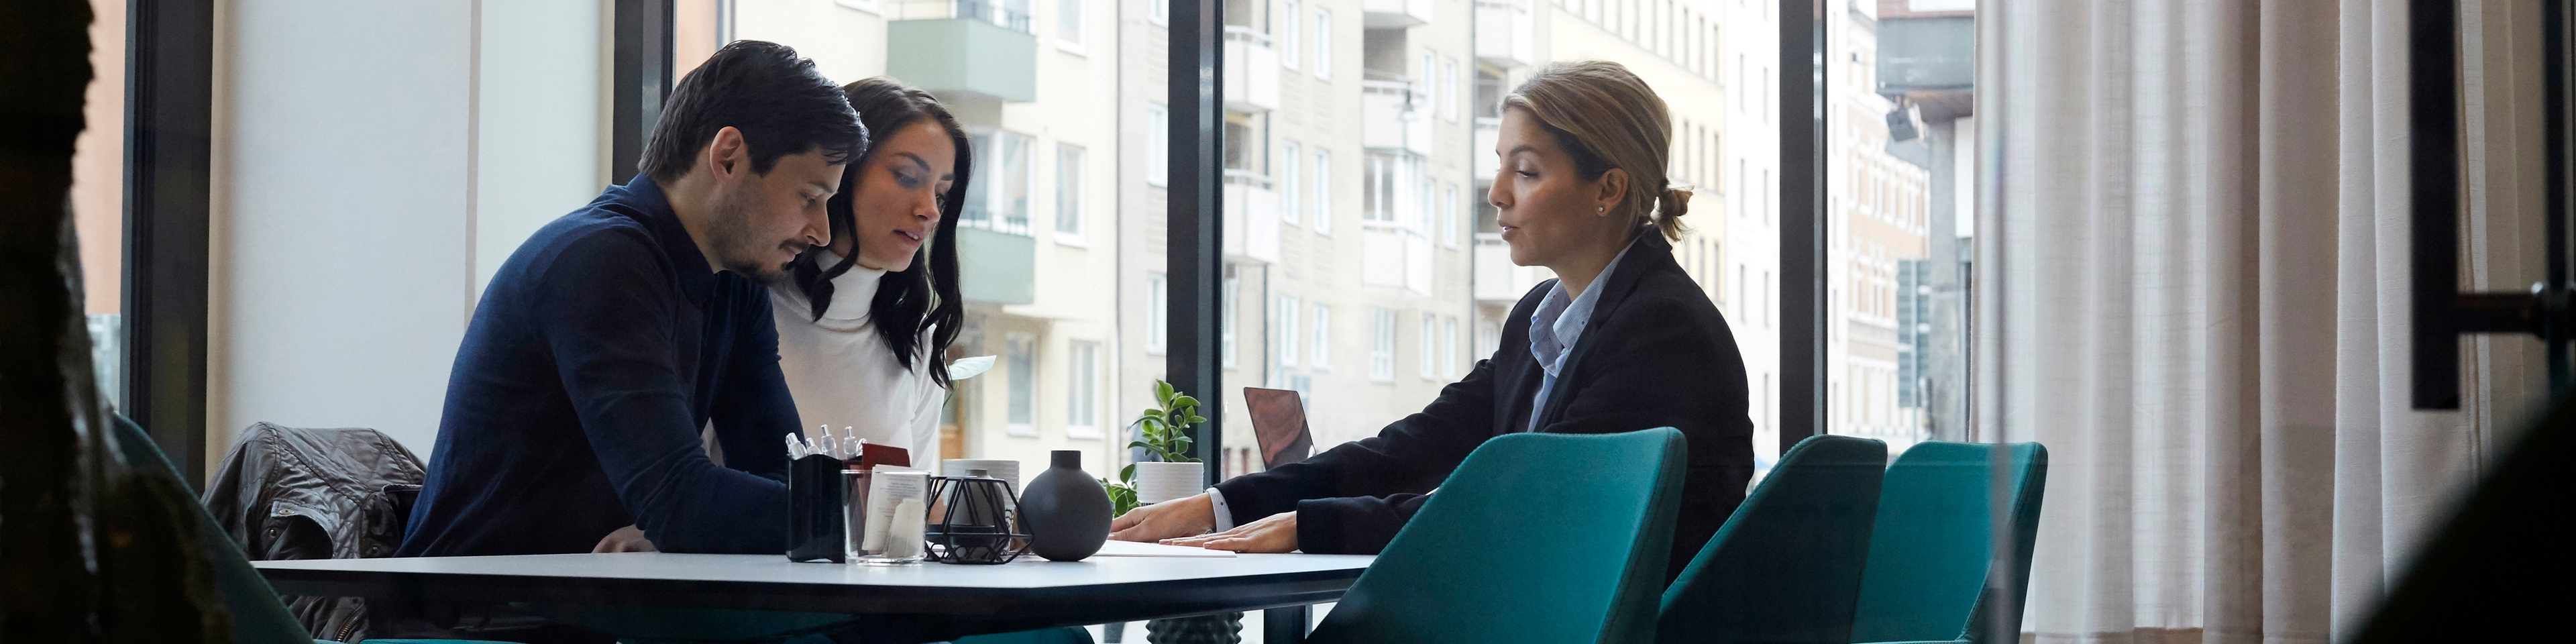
(1535, 538)
(1934, 573)
(1786, 567)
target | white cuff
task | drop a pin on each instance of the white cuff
(1224, 516)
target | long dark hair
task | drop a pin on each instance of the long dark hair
(923, 294)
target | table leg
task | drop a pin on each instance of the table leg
(1285, 625)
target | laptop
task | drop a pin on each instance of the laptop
(1279, 423)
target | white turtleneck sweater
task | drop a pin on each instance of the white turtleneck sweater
(843, 374)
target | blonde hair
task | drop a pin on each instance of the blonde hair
(1605, 117)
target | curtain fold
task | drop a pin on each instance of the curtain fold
(2192, 277)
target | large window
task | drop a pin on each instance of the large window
(1023, 372)
(999, 198)
(1322, 360)
(1068, 191)
(1082, 389)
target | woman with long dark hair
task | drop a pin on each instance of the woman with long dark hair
(864, 322)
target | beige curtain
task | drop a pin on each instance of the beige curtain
(2192, 287)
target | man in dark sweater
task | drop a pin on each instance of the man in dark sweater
(617, 332)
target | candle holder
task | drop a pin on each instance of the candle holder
(980, 522)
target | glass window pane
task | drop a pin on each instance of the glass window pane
(1420, 265)
(1068, 189)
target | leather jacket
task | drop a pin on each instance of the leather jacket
(304, 493)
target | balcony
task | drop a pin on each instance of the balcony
(1251, 71)
(1497, 280)
(1504, 34)
(1251, 218)
(1395, 256)
(1389, 120)
(995, 266)
(1394, 14)
(964, 50)
(1488, 134)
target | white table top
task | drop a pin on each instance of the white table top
(1094, 590)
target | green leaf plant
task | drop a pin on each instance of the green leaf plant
(1165, 437)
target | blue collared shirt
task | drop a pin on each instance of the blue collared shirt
(1557, 324)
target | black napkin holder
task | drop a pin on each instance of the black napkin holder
(816, 526)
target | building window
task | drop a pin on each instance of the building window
(1323, 354)
(1449, 347)
(1288, 310)
(1225, 323)
(1288, 35)
(1428, 360)
(1068, 22)
(1068, 190)
(1392, 187)
(1002, 202)
(1158, 142)
(1082, 389)
(1290, 209)
(1449, 215)
(1323, 180)
(1157, 312)
(1159, 11)
(1023, 352)
(1323, 44)
(1450, 96)
(1382, 344)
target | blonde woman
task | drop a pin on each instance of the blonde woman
(1622, 340)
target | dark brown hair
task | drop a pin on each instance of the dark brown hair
(924, 293)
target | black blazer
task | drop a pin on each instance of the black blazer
(1655, 354)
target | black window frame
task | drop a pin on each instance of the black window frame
(169, 90)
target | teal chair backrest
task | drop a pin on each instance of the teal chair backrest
(257, 615)
(1786, 567)
(1936, 570)
(1535, 538)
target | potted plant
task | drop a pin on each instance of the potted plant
(1163, 432)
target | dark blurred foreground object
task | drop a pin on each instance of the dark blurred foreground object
(309, 493)
(91, 550)
(2486, 575)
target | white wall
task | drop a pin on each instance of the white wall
(370, 175)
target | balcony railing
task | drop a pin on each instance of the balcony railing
(977, 216)
(1504, 33)
(1497, 279)
(964, 49)
(1251, 71)
(1395, 256)
(1389, 119)
(998, 15)
(1394, 14)
(1251, 218)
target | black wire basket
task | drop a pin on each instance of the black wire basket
(981, 521)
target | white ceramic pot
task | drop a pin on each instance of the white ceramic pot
(1159, 482)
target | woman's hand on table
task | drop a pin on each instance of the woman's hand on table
(1181, 517)
(626, 539)
(1275, 533)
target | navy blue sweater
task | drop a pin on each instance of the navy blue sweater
(598, 351)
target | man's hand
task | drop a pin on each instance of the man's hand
(1275, 533)
(626, 539)
(1181, 517)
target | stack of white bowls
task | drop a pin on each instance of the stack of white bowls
(1159, 482)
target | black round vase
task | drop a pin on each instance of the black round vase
(1065, 510)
